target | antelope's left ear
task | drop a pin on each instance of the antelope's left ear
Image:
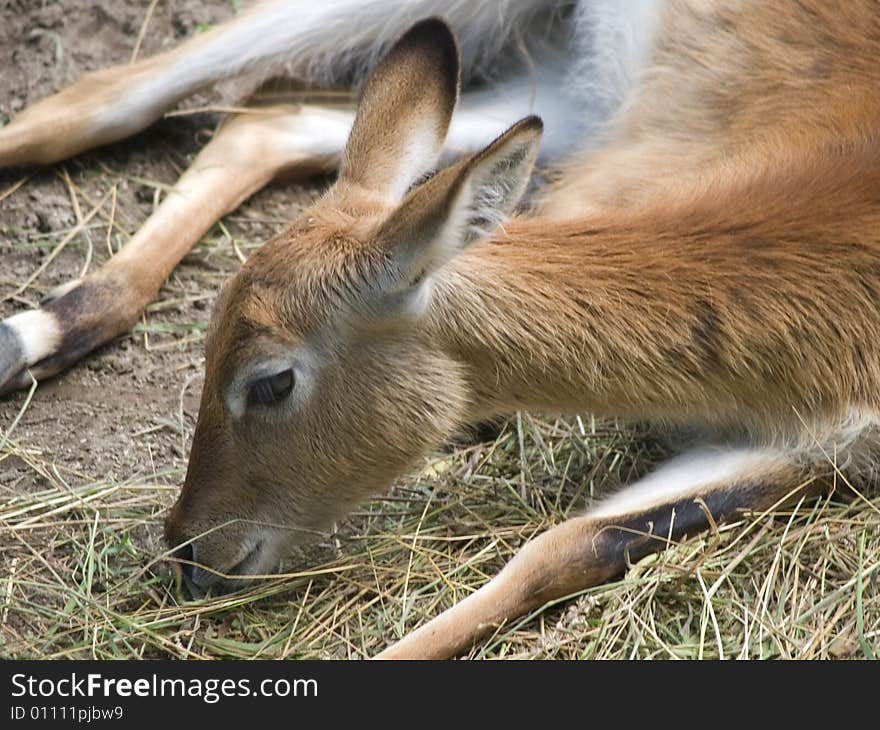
(457, 207)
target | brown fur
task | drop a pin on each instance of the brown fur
(746, 302)
(717, 262)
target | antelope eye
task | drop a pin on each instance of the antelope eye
(271, 389)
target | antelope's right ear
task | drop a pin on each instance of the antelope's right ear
(456, 208)
(404, 113)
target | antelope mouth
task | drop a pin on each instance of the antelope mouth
(199, 579)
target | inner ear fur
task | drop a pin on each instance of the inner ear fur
(404, 113)
(459, 206)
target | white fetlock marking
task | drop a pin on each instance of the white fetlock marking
(38, 333)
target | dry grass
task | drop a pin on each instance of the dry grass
(798, 583)
(82, 573)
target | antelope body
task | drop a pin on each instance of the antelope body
(708, 253)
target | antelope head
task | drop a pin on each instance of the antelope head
(325, 376)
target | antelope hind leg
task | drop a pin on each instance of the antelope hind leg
(247, 152)
(317, 43)
(585, 551)
(111, 104)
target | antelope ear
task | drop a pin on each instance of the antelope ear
(457, 207)
(404, 112)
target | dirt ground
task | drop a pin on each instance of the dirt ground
(112, 434)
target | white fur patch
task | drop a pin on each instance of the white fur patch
(492, 189)
(576, 85)
(482, 115)
(417, 155)
(316, 130)
(687, 475)
(329, 41)
(614, 42)
(38, 333)
(323, 43)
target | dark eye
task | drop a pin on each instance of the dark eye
(270, 390)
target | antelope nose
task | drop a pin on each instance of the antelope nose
(196, 579)
(185, 555)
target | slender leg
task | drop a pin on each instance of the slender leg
(319, 43)
(248, 151)
(679, 499)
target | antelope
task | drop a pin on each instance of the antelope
(706, 252)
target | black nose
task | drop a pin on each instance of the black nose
(196, 579)
(184, 553)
